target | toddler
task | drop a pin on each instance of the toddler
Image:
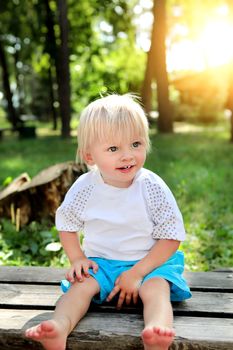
(132, 229)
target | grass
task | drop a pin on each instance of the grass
(196, 163)
(33, 155)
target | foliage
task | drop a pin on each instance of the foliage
(197, 167)
(98, 30)
(105, 54)
(32, 245)
(111, 69)
(196, 163)
(201, 97)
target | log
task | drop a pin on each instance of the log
(26, 200)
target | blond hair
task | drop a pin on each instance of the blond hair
(111, 117)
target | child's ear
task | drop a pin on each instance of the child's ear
(88, 159)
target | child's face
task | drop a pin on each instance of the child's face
(118, 161)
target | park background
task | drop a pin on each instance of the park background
(176, 55)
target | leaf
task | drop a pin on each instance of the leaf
(53, 247)
(7, 181)
(34, 247)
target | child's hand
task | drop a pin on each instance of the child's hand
(128, 284)
(79, 270)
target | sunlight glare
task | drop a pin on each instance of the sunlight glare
(222, 10)
(184, 55)
(216, 43)
(212, 48)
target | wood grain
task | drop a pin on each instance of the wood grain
(28, 296)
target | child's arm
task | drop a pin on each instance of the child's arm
(79, 262)
(160, 252)
(129, 281)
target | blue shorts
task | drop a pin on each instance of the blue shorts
(110, 270)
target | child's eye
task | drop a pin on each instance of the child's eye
(136, 144)
(112, 149)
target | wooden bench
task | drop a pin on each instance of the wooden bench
(24, 132)
(28, 295)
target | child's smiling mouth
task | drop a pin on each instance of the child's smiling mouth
(126, 168)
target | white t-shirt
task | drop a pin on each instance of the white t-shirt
(120, 223)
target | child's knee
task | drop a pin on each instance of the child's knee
(153, 286)
(88, 288)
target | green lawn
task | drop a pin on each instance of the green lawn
(33, 155)
(196, 163)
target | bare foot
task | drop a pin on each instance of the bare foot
(157, 338)
(50, 334)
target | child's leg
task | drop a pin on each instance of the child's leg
(70, 308)
(158, 333)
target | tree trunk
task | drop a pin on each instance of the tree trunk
(230, 91)
(52, 99)
(148, 78)
(21, 109)
(51, 48)
(12, 115)
(60, 58)
(230, 101)
(149, 72)
(165, 120)
(64, 73)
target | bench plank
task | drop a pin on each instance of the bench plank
(216, 281)
(116, 331)
(27, 294)
(41, 296)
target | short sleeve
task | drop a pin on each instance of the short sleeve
(69, 216)
(164, 212)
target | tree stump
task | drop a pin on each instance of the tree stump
(26, 200)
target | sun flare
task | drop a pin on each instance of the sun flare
(216, 43)
(213, 47)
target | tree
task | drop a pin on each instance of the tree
(9, 29)
(51, 48)
(230, 92)
(149, 74)
(64, 72)
(54, 56)
(56, 45)
(12, 115)
(156, 69)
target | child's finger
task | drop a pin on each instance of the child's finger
(115, 290)
(79, 274)
(94, 266)
(128, 298)
(121, 300)
(135, 297)
(70, 275)
(86, 271)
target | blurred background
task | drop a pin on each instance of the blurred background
(56, 56)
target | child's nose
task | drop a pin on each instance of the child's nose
(127, 155)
